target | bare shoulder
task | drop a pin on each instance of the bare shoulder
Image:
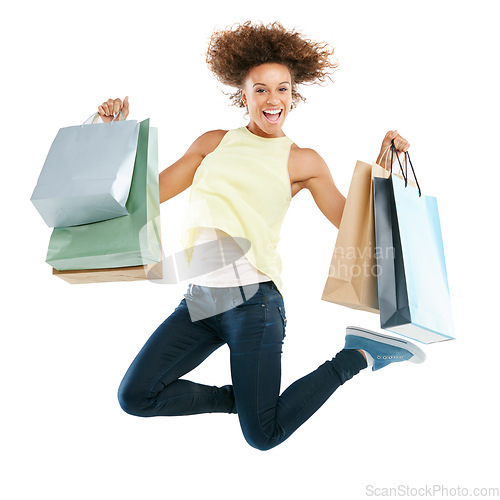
(308, 155)
(304, 164)
(207, 142)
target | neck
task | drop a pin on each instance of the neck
(256, 130)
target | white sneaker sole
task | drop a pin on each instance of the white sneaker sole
(418, 354)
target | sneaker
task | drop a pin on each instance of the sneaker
(382, 348)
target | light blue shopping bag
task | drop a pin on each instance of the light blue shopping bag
(87, 174)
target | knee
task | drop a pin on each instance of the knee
(258, 440)
(131, 401)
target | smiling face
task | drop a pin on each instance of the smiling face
(267, 93)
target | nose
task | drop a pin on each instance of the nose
(273, 99)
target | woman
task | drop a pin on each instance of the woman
(242, 183)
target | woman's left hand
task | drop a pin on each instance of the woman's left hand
(401, 144)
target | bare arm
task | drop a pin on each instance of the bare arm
(320, 183)
(179, 176)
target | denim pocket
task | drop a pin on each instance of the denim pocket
(283, 318)
(251, 297)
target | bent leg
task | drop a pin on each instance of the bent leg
(151, 385)
(255, 337)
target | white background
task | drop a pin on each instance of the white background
(427, 69)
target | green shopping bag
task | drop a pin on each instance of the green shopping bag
(130, 240)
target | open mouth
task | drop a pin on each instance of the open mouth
(272, 117)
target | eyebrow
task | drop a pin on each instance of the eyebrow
(266, 85)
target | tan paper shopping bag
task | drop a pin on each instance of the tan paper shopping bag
(352, 277)
(131, 273)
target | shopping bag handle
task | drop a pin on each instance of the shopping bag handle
(382, 157)
(412, 169)
(405, 175)
(95, 116)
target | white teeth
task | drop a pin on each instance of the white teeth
(272, 111)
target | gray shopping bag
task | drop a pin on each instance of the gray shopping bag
(87, 174)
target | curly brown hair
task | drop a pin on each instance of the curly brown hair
(232, 52)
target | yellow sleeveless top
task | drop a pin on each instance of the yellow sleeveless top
(243, 188)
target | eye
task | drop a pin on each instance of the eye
(284, 89)
(258, 90)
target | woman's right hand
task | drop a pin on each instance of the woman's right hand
(109, 108)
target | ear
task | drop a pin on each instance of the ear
(243, 96)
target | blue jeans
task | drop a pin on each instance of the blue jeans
(254, 329)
